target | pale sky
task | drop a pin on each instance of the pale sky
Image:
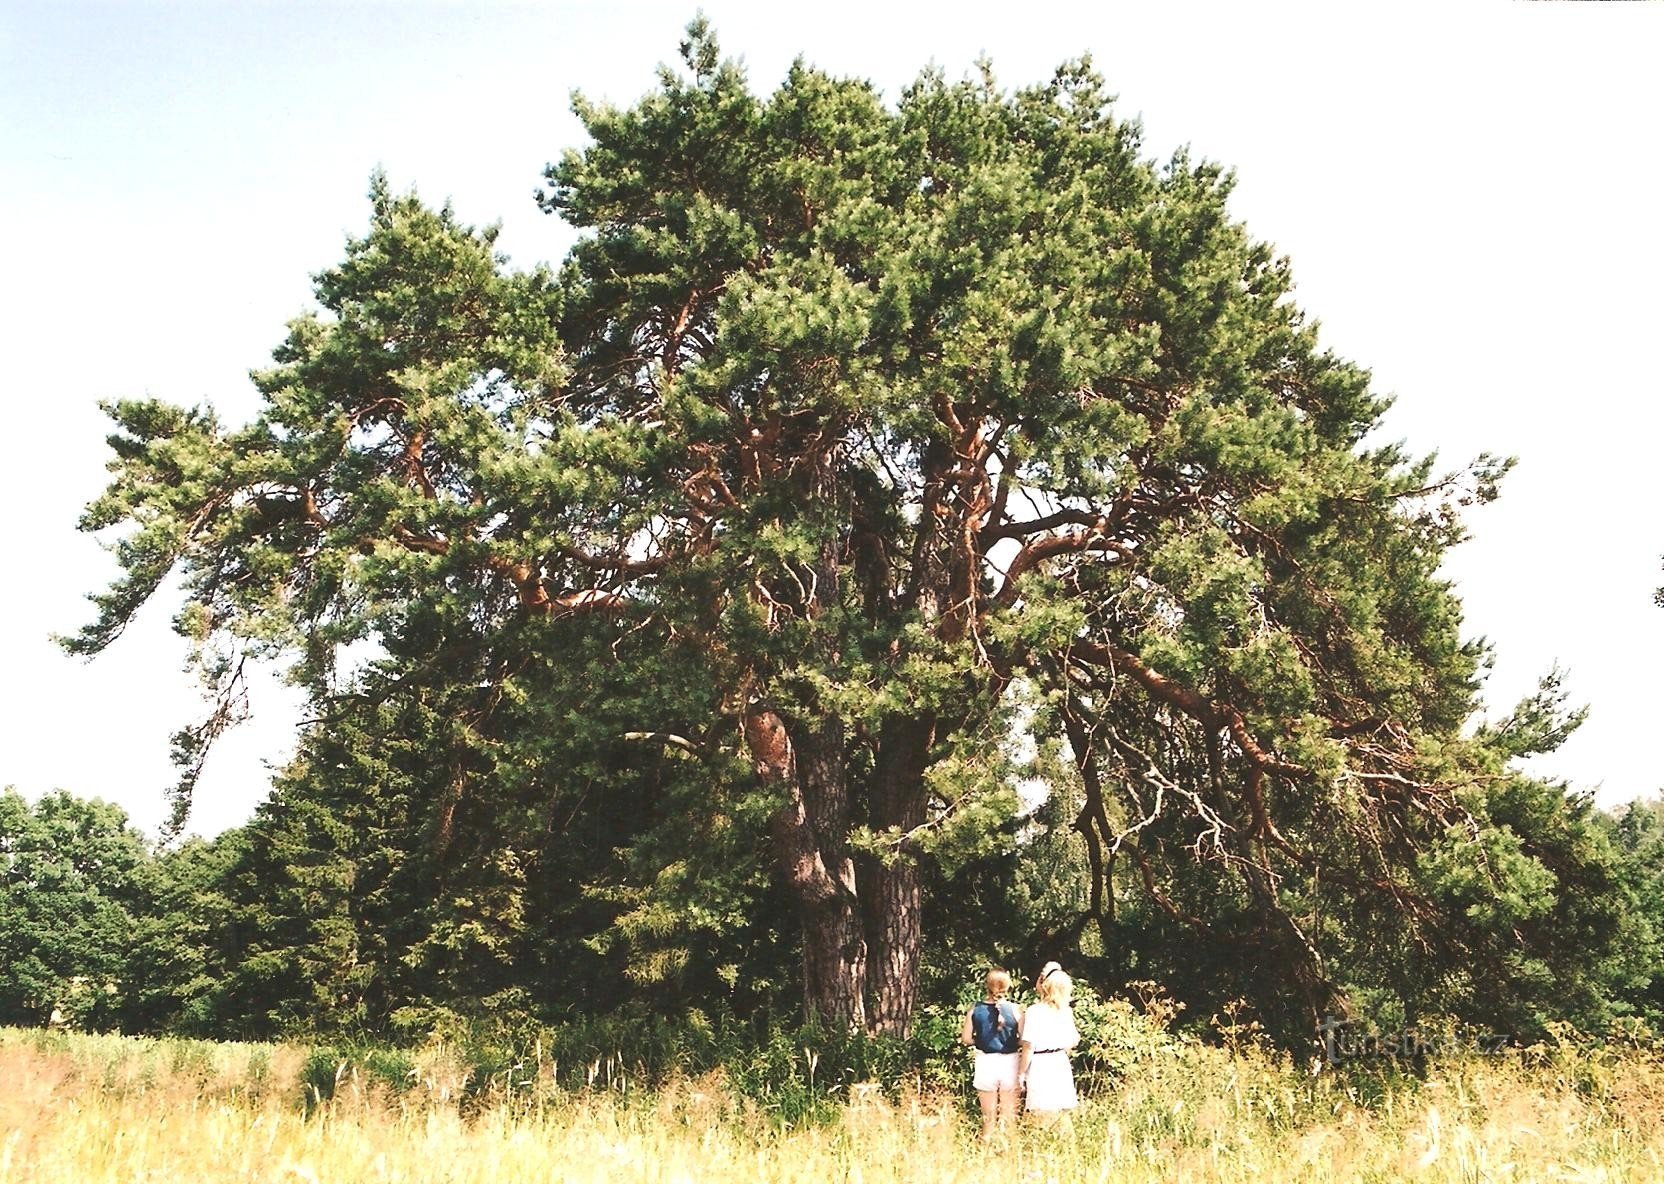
(1469, 193)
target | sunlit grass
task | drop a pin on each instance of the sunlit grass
(98, 1108)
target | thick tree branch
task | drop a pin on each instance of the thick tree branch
(669, 739)
(1193, 703)
(622, 564)
(1042, 549)
(993, 532)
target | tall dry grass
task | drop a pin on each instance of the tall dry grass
(104, 1109)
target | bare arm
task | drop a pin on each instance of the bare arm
(966, 1035)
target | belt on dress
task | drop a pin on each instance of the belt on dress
(1040, 1052)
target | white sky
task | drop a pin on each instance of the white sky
(1469, 192)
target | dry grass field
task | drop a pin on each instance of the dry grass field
(109, 1110)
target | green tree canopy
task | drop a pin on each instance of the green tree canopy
(852, 444)
(71, 888)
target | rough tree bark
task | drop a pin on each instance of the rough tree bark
(809, 832)
(891, 889)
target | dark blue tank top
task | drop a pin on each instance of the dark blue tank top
(983, 1025)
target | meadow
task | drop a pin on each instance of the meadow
(94, 1109)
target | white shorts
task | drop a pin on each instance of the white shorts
(995, 1071)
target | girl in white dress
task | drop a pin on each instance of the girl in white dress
(1048, 1036)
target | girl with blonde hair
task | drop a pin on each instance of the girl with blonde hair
(1048, 1035)
(994, 1027)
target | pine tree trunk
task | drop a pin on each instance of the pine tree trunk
(860, 946)
(810, 832)
(834, 965)
(893, 891)
(894, 931)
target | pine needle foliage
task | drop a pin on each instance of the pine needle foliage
(856, 450)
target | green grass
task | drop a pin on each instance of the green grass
(105, 1108)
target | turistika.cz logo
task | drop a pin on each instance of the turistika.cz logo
(1348, 1040)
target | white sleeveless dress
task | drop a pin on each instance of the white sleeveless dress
(1050, 1033)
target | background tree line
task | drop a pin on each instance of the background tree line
(340, 914)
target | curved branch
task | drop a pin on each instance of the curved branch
(1040, 550)
(584, 601)
(615, 563)
(669, 739)
(1193, 703)
(1067, 517)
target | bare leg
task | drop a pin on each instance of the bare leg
(990, 1111)
(1008, 1108)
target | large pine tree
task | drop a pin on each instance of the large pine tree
(852, 442)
